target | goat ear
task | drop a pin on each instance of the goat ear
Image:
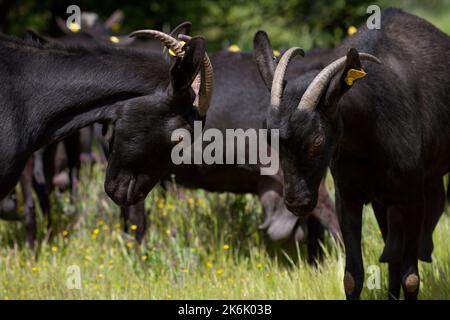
(263, 56)
(114, 20)
(182, 28)
(344, 80)
(185, 69)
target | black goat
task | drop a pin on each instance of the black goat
(387, 138)
(239, 101)
(50, 163)
(50, 91)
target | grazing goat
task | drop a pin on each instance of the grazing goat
(386, 139)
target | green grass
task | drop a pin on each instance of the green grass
(199, 246)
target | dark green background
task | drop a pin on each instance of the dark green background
(289, 22)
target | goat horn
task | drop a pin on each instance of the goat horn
(169, 41)
(315, 90)
(278, 78)
(203, 83)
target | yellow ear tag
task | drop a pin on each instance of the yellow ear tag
(276, 53)
(353, 75)
(351, 30)
(114, 39)
(74, 27)
(172, 53)
(234, 48)
(115, 27)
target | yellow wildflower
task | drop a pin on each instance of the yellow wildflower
(95, 233)
(226, 247)
(114, 39)
(201, 203)
(351, 30)
(134, 227)
(234, 48)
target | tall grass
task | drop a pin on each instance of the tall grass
(199, 246)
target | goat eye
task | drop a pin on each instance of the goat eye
(315, 146)
(318, 141)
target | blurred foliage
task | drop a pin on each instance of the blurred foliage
(290, 22)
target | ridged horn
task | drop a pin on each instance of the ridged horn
(203, 84)
(280, 72)
(312, 95)
(166, 39)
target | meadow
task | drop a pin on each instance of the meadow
(199, 246)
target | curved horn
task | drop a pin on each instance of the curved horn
(166, 39)
(203, 83)
(315, 90)
(278, 78)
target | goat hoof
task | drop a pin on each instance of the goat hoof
(349, 283)
(411, 283)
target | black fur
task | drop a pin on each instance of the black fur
(51, 90)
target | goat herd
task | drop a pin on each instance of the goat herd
(375, 110)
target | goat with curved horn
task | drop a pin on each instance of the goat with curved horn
(203, 87)
(315, 90)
